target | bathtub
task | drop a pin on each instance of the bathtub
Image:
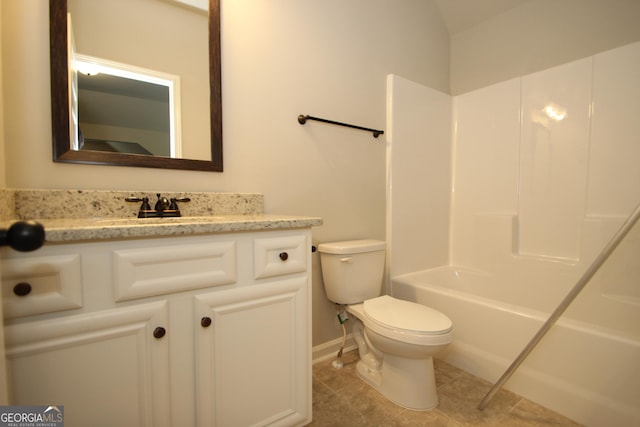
(587, 367)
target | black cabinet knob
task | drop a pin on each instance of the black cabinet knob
(205, 322)
(22, 289)
(284, 256)
(159, 332)
(24, 236)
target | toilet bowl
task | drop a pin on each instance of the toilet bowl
(396, 339)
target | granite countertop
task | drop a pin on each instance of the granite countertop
(84, 229)
(93, 215)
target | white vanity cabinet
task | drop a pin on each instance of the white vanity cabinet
(209, 330)
(106, 368)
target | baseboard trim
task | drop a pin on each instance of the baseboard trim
(329, 350)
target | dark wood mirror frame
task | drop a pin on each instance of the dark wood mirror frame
(62, 151)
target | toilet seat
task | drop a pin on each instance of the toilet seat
(406, 321)
(406, 316)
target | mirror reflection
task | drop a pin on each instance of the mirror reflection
(125, 109)
(162, 117)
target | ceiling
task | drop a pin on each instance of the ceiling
(460, 15)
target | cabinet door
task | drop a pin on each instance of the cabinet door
(108, 368)
(253, 361)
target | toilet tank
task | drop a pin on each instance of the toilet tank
(352, 270)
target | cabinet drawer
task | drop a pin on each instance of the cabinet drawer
(149, 271)
(276, 256)
(41, 284)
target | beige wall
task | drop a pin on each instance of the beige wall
(2, 162)
(281, 58)
(537, 35)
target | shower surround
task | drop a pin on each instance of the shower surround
(539, 173)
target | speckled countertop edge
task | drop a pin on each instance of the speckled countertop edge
(76, 230)
(75, 216)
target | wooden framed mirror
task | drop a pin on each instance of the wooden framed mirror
(62, 127)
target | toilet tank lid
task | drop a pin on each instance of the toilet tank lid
(351, 246)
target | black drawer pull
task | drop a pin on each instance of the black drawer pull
(159, 332)
(205, 322)
(284, 256)
(22, 289)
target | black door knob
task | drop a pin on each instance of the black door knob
(205, 322)
(24, 236)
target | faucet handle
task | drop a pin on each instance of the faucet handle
(174, 205)
(145, 202)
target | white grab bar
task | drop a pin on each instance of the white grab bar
(588, 274)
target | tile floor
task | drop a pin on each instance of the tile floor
(340, 398)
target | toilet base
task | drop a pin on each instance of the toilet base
(409, 383)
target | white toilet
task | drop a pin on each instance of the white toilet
(396, 339)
